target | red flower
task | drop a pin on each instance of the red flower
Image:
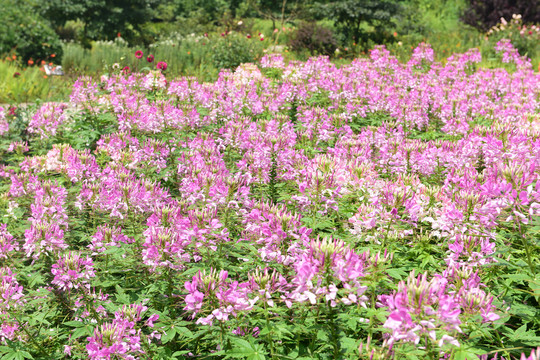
(248, 36)
(162, 65)
(126, 70)
(17, 74)
(150, 58)
(222, 34)
(139, 54)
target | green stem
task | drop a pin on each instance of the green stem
(32, 338)
(269, 333)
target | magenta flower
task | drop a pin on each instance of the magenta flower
(72, 271)
(139, 54)
(11, 298)
(18, 146)
(114, 340)
(47, 119)
(162, 65)
(535, 355)
(217, 295)
(7, 242)
(150, 58)
(107, 237)
(419, 308)
(43, 237)
(4, 125)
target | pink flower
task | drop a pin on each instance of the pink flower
(7, 242)
(72, 271)
(4, 125)
(114, 340)
(150, 58)
(535, 355)
(47, 119)
(139, 54)
(162, 65)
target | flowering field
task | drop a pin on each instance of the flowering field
(287, 211)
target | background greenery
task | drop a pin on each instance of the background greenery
(199, 37)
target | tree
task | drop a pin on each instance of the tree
(103, 19)
(29, 35)
(350, 15)
(278, 11)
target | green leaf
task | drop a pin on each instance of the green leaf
(184, 331)
(517, 277)
(396, 273)
(322, 335)
(467, 354)
(86, 330)
(169, 334)
(350, 344)
(26, 354)
(245, 349)
(17, 355)
(75, 324)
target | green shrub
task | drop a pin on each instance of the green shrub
(314, 38)
(233, 49)
(525, 38)
(484, 14)
(26, 33)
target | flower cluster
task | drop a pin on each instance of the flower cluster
(281, 191)
(213, 295)
(11, 301)
(72, 271)
(47, 119)
(121, 338)
(4, 125)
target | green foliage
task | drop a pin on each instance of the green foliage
(25, 33)
(30, 84)
(102, 19)
(316, 39)
(351, 15)
(184, 55)
(234, 49)
(525, 39)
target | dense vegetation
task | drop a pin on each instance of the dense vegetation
(199, 38)
(200, 183)
(379, 210)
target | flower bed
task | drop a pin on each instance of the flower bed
(377, 210)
